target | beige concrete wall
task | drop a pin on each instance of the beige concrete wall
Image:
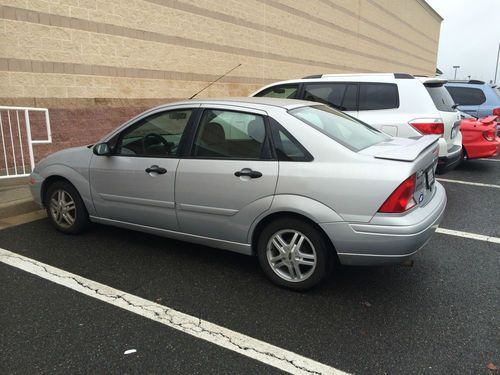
(96, 63)
(154, 49)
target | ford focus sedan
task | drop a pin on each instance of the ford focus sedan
(298, 184)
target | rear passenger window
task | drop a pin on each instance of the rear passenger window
(287, 147)
(341, 96)
(466, 95)
(373, 96)
(281, 91)
(231, 135)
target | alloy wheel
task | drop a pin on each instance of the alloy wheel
(291, 255)
(62, 208)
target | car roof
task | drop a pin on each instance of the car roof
(253, 102)
(466, 83)
(345, 77)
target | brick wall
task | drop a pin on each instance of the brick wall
(80, 58)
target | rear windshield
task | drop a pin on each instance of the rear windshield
(342, 128)
(441, 98)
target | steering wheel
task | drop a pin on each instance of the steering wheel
(153, 139)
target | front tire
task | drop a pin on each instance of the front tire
(65, 208)
(294, 254)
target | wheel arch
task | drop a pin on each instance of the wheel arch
(59, 172)
(263, 222)
(49, 181)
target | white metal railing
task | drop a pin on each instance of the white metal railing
(17, 165)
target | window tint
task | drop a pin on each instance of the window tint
(344, 129)
(341, 96)
(281, 91)
(441, 98)
(156, 135)
(373, 96)
(466, 95)
(230, 135)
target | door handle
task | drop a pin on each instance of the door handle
(248, 172)
(156, 169)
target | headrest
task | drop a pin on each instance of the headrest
(213, 132)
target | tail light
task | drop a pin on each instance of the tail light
(401, 199)
(496, 112)
(428, 127)
(490, 135)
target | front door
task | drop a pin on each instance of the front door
(136, 183)
(229, 177)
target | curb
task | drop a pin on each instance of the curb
(19, 207)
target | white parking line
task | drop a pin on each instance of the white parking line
(488, 159)
(468, 183)
(473, 236)
(215, 334)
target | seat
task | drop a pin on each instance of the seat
(211, 141)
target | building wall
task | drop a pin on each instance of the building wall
(94, 63)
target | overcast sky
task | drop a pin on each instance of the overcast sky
(470, 34)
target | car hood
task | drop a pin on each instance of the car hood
(402, 149)
(71, 157)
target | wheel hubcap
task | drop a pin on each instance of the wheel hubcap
(62, 208)
(291, 255)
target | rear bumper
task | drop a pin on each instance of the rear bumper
(450, 161)
(482, 148)
(387, 239)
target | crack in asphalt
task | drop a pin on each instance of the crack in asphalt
(168, 315)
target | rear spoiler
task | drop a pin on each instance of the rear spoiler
(434, 82)
(488, 119)
(409, 152)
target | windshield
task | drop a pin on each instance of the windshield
(342, 128)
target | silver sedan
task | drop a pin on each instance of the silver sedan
(298, 184)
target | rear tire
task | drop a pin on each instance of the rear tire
(294, 254)
(65, 208)
(463, 157)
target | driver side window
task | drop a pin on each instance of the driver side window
(158, 135)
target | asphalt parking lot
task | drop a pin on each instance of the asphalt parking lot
(440, 316)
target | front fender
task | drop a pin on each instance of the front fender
(77, 177)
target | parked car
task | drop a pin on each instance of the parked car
(474, 97)
(479, 136)
(297, 183)
(394, 103)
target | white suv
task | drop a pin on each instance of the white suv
(398, 104)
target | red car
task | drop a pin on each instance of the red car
(479, 136)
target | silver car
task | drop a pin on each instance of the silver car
(298, 184)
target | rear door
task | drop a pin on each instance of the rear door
(378, 102)
(229, 175)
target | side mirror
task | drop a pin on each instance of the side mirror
(102, 149)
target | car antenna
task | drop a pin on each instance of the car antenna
(211, 83)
